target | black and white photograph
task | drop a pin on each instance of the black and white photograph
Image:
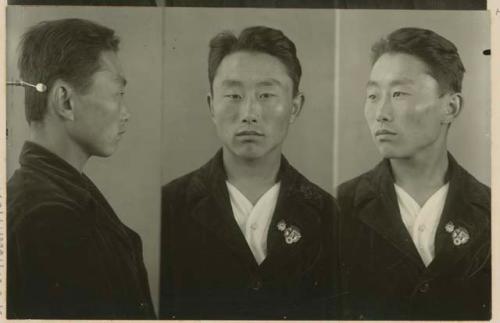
(189, 163)
(248, 218)
(83, 162)
(413, 165)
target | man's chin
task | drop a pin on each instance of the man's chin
(249, 156)
(104, 152)
(388, 153)
(248, 153)
(393, 154)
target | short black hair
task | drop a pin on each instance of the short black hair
(66, 49)
(255, 39)
(438, 53)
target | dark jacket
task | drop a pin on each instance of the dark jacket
(208, 271)
(384, 274)
(69, 256)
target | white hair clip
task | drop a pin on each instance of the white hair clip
(40, 87)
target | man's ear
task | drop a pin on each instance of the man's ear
(60, 99)
(210, 102)
(453, 107)
(297, 103)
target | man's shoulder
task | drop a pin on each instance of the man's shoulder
(34, 198)
(181, 184)
(308, 191)
(31, 186)
(477, 192)
(306, 185)
(349, 187)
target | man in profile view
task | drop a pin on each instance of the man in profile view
(416, 229)
(69, 255)
(246, 236)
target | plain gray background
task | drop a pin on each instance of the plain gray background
(130, 179)
(189, 138)
(469, 136)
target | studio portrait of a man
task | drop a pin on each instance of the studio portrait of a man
(69, 255)
(416, 228)
(246, 236)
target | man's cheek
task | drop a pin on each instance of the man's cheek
(370, 118)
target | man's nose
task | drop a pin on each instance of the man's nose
(125, 113)
(250, 111)
(384, 109)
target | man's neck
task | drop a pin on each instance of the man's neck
(422, 175)
(60, 144)
(252, 177)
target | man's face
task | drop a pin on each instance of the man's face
(252, 104)
(404, 108)
(100, 117)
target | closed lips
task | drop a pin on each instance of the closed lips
(384, 132)
(249, 133)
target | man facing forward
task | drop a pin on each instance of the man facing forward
(416, 228)
(69, 255)
(246, 236)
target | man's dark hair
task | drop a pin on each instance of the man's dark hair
(255, 39)
(439, 54)
(66, 49)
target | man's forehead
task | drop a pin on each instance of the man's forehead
(111, 66)
(398, 69)
(248, 71)
(111, 76)
(240, 64)
(399, 63)
(392, 82)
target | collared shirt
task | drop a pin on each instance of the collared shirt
(254, 220)
(422, 222)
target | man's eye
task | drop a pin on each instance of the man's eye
(371, 97)
(233, 96)
(398, 94)
(266, 95)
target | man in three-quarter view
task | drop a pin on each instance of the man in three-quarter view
(69, 255)
(246, 236)
(415, 229)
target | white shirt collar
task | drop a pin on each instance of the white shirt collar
(254, 220)
(422, 222)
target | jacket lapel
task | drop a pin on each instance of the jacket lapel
(459, 210)
(212, 208)
(295, 206)
(378, 208)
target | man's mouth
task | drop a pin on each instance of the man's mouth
(249, 133)
(384, 132)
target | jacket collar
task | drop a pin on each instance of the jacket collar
(376, 199)
(78, 185)
(40, 158)
(297, 202)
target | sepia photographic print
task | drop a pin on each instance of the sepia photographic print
(190, 163)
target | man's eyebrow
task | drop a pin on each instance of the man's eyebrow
(269, 82)
(231, 83)
(403, 81)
